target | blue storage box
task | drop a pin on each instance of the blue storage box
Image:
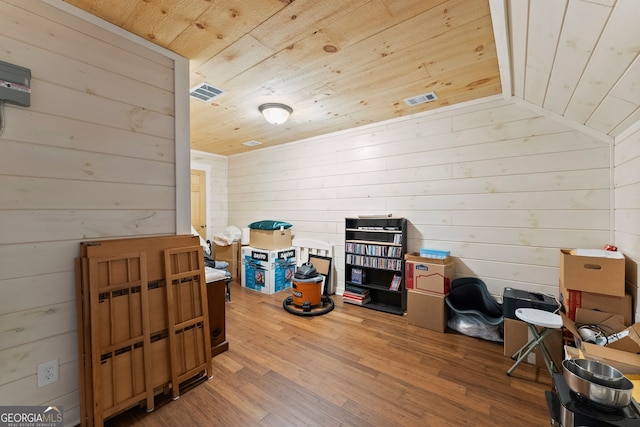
(433, 253)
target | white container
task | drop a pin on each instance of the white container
(267, 270)
(244, 240)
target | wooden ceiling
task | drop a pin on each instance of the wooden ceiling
(338, 63)
(344, 63)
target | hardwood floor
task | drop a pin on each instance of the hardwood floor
(351, 367)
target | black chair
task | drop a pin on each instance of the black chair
(469, 296)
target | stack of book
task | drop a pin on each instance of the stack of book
(356, 295)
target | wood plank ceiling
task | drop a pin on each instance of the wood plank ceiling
(345, 63)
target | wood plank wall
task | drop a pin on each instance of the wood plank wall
(93, 157)
(627, 203)
(501, 187)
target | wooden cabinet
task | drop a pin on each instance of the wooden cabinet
(216, 299)
(374, 261)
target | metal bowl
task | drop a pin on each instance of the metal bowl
(598, 372)
(611, 397)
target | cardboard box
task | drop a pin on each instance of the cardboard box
(606, 321)
(429, 277)
(427, 310)
(573, 300)
(517, 334)
(230, 255)
(625, 361)
(628, 339)
(224, 253)
(268, 271)
(270, 239)
(419, 258)
(602, 273)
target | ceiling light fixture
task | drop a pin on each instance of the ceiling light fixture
(275, 113)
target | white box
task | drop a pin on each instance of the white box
(267, 271)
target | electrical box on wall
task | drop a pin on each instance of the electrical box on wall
(15, 84)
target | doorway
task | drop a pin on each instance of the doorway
(199, 202)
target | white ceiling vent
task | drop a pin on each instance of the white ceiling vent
(421, 99)
(251, 143)
(206, 92)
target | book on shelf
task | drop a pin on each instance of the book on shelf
(357, 275)
(373, 262)
(356, 290)
(354, 296)
(395, 283)
(356, 301)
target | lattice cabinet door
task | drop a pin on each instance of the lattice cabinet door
(120, 336)
(187, 314)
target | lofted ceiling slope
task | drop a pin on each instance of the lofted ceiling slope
(345, 63)
(578, 59)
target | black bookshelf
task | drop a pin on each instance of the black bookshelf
(374, 254)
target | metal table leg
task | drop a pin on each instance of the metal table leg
(536, 341)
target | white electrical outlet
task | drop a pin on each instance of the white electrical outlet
(48, 372)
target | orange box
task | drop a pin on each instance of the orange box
(429, 277)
